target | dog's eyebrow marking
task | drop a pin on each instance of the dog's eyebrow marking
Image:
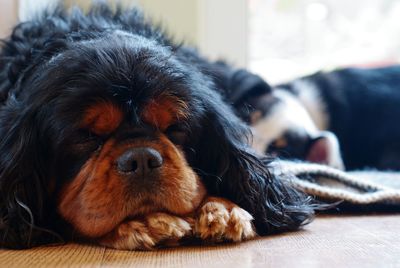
(102, 118)
(164, 110)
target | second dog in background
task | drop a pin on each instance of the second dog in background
(346, 118)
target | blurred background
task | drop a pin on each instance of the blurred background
(288, 38)
(278, 39)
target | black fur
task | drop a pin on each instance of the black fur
(53, 67)
(363, 106)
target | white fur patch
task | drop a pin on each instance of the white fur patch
(334, 158)
(286, 114)
(330, 145)
(309, 96)
(305, 112)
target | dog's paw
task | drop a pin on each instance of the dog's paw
(219, 219)
(168, 227)
(129, 236)
(147, 233)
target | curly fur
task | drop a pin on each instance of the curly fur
(49, 63)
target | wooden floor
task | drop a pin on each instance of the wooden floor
(330, 241)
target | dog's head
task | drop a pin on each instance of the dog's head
(105, 127)
(103, 119)
(289, 123)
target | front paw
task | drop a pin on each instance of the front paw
(219, 219)
(167, 227)
(145, 234)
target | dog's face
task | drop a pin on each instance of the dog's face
(284, 127)
(128, 166)
(113, 118)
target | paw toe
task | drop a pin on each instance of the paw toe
(213, 220)
(168, 227)
(240, 226)
(218, 221)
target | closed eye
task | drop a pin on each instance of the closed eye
(177, 134)
(85, 135)
(277, 147)
(85, 139)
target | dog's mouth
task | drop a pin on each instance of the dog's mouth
(146, 206)
(151, 205)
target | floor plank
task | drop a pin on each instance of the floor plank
(330, 241)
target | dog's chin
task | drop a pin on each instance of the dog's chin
(180, 201)
(95, 223)
(92, 221)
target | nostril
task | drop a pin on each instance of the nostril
(134, 166)
(128, 162)
(154, 162)
(154, 159)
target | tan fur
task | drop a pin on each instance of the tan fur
(99, 198)
(102, 118)
(219, 219)
(93, 201)
(153, 230)
(164, 110)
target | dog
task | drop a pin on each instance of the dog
(114, 134)
(345, 118)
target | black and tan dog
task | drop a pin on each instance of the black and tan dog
(112, 132)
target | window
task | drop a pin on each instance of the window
(290, 38)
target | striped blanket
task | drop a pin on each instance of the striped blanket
(367, 188)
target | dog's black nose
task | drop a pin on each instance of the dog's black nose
(141, 161)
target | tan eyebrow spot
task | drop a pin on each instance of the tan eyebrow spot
(255, 116)
(102, 118)
(164, 110)
(281, 142)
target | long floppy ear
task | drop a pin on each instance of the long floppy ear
(237, 86)
(245, 85)
(231, 169)
(23, 189)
